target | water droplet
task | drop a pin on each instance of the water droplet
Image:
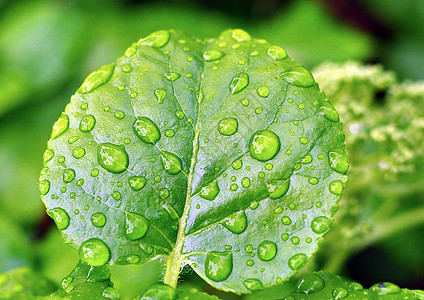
(298, 76)
(286, 220)
(126, 68)
(336, 187)
(164, 193)
(240, 35)
(228, 126)
(236, 223)
(179, 114)
(297, 261)
(328, 111)
(250, 262)
(253, 284)
(313, 180)
(238, 83)
(171, 163)
(116, 195)
(169, 132)
(78, 152)
(137, 182)
(60, 126)
(278, 189)
(263, 91)
(210, 191)
(44, 187)
(267, 250)
(112, 158)
(119, 114)
(218, 265)
(135, 226)
(245, 182)
(303, 140)
(48, 155)
(66, 281)
(146, 130)
(172, 76)
(310, 284)
(73, 139)
(237, 164)
(111, 293)
(96, 79)
(98, 219)
(94, 252)
(385, 288)
(160, 95)
(276, 53)
(321, 224)
(156, 39)
(338, 161)
(159, 291)
(68, 175)
(60, 217)
(339, 293)
(234, 187)
(212, 54)
(245, 102)
(87, 123)
(264, 145)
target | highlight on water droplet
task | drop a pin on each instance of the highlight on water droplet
(228, 126)
(171, 163)
(60, 217)
(219, 265)
(44, 186)
(310, 284)
(137, 182)
(278, 188)
(267, 250)
(99, 77)
(240, 35)
(160, 95)
(98, 219)
(212, 54)
(276, 53)
(298, 76)
(253, 284)
(338, 161)
(94, 252)
(238, 83)
(87, 123)
(263, 91)
(68, 175)
(264, 145)
(336, 187)
(146, 130)
(236, 223)
(210, 191)
(136, 226)
(112, 158)
(156, 39)
(297, 261)
(321, 224)
(329, 112)
(60, 126)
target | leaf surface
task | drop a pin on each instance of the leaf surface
(221, 154)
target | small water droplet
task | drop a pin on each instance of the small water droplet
(313, 180)
(212, 54)
(310, 284)
(298, 76)
(385, 288)
(236, 223)
(137, 182)
(303, 140)
(329, 112)
(240, 35)
(156, 39)
(228, 126)
(96, 79)
(95, 252)
(179, 114)
(68, 175)
(286, 220)
(253, 284)
(245, 182)
(171, 163)
(172, 76)
(219, 265)
(336, 187)
(126, 68)
(112, 158)
(169, 132)
(267, 250)
(73, 139)
(297, 261)
(278, 189)
(60, 126)
(78, 152)
(276, 53)
(98, 219)
(87, 123)
(60, 217)
(136, 226)
(245, 102)
(146, 130)
(339, 293)
(321, 224)
(119, 114)
(48, 155)
(44, 187)
(111, 293)
(264, 145)
(160, 95)
(238, 83)
(164, 193)
(338, 161)
(237, 164)
(263, 91)
(210, 191)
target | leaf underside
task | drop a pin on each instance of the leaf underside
(222, 154)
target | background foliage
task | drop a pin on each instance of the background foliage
(48, 47)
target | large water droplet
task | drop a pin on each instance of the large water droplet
(136, 226)
(218, 265)
(298, 76)
(297, 261)
(44, 187)
(264, 145)
(146, 130)
(137, 182)
(172, 76)
(212, 54)
(156, 39)
(228, 126)
(94, 252)
(339, 293)
(238, 83)
(87, 123)
(158, 292)
(210, 191)
(60, 126)
(48, 155)
(60, 217)
(267, 250)
(68, 175)
(236, 223)
(336, 187)
(96, 79)
(329, 112)
(112, 158)
(263, 91)
(98, 219)
(111, 293)
(240, 35)
(278, 189)
(310, 284)
(160, 95)
(321, 224)
(338, 161)
(277, 53)
(171, 163)
(385, 288)
(253, 284)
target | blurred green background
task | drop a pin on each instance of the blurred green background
(47, 48)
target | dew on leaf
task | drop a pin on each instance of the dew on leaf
(94, 172)
(278, 189)
(313, 180)
(68, 175)
(385, 288)
(159, 292)
(310, 284)
(327, 110)
(98, 219)
(60, 126)
(263, 91)
(212, 54)
(336, 187)
(87, 123)
(94, 252)
(160, 95)
(136, 183)
(244, 101)
(126, 68)
(267, 250)
(237, 164)
(135, 226)
(60, 217)
(112, 158)
(172, 76)
(164, 193)
(236, 223)
(245, 182)
(169, 132)
(48, 155)
(321, 224)
(73, 139)
(297, 261)
(219, 265)
(119, 114)
(96, 79)
(44, 186)
(116, 195)
(111, 293)
(156, 39)
(238, 83)
(228, 126)
(339, 293)
(286, 220)
(307, 159)
(78, 152)
(179, 114)
(210, 191)
(338, 161)
(253, 284)
(264, 145)
(146, 130)
(276, 53)
(298, 76)
(240, 35)
(171, 163)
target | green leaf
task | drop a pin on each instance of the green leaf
(185, 150)
(324, 285)
(87, 282)
(23, 283)
(165, 292)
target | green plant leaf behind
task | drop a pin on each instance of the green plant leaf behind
(87, 282)
(23, 283)
(221, 154)
(165, 292)
(325, 285)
